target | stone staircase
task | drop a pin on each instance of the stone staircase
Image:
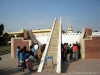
(53, 49)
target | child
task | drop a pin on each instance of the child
(17, 54)
(21, 59)
(29, 61)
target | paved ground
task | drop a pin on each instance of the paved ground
(80, 67)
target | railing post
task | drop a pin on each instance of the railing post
(58, 70)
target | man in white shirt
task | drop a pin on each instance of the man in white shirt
(36, 47)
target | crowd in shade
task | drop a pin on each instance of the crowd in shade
(70, 52)
(26, 58)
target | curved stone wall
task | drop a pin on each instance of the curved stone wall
(66, 38)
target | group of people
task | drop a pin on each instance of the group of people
(70, 52)
(27, 57)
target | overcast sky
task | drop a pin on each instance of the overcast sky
(33, 14)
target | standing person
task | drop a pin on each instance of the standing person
(31, 51)
(78, 46)
(21, 59)
(75, 51)
(33, 48)
(62, 52)
(29, 61)
(71, 52)
(26, 56)
(17, 54)
(66, 53)
(24, 52)
(36, 47)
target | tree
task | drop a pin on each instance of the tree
(10, 36)
(63, 31)
(1, 41)
(6, 37)
(1, 29)
(78, 31)
(95, 31)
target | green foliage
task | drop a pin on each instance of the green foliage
(6, 37)
(10, 36)
(2, 41)
(5, 47)
(63, 31)
(20, 35)
(1, 29)
(95, 31)
(78, 31)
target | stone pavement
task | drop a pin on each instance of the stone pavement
(82, 67)
(8, 66)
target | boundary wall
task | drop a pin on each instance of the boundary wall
(65, 37)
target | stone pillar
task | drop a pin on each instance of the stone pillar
(82, 51)
(88, 32)
(26, 35)
(12, 48)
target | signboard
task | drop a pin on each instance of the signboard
(49, 62)
(49, 58)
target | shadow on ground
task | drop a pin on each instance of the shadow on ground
(15, 71)
(64, 67)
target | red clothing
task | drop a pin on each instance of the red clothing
(75, 48)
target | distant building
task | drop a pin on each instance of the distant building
(69, 29)
(35, 32)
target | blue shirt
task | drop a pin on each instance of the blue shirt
(32, 49)
(26, 56)
(21, 58)
(17, 50)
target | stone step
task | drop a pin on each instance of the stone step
(54, 43)
(53, 49)
(50, 51)
(53, 46)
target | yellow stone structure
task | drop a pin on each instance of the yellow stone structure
(36, 32)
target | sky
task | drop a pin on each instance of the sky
(34, 14)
